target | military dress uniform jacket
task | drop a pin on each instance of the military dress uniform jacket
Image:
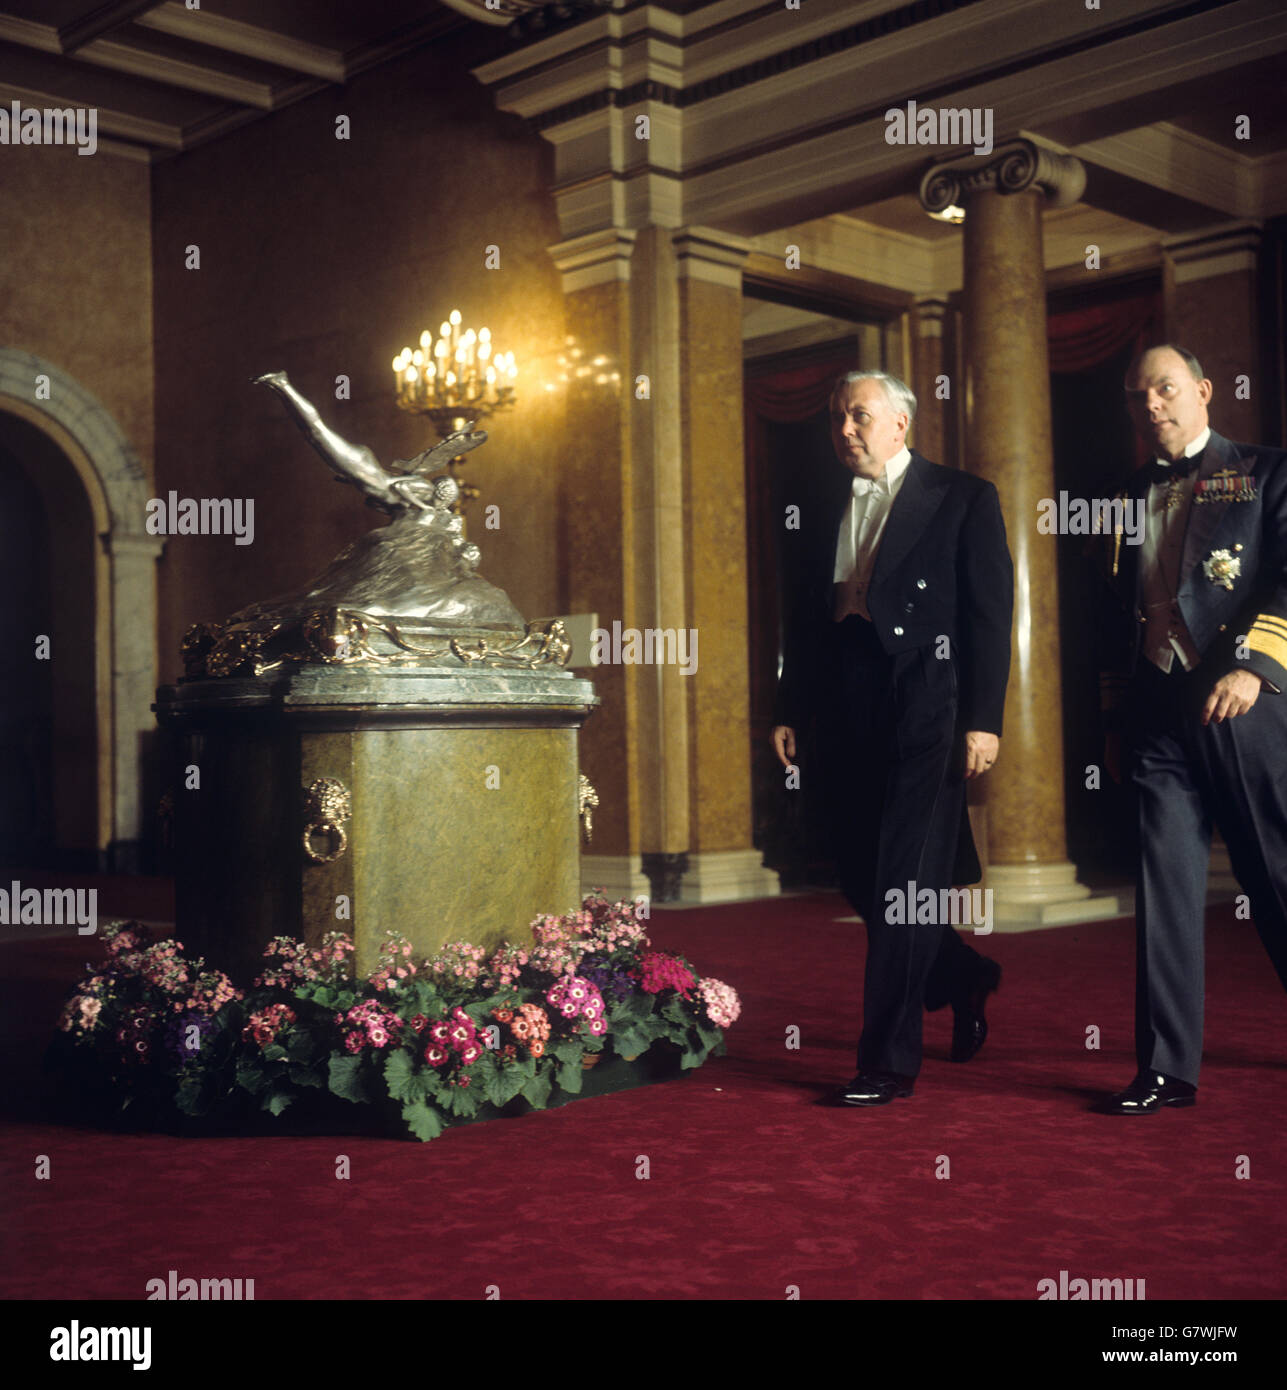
(943, 570)
(1232, 589)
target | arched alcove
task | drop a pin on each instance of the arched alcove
(83, 466)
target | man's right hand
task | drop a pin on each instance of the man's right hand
(784, 744)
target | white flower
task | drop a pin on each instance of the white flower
(1220, 567)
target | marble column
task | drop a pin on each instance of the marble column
(1007, 440)
(928, 434)
(659, 543)
(722, 865)
(599, 535)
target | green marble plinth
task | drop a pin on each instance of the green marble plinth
(463, 799)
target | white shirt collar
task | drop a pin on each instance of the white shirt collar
(894, 469)
(1196, 447)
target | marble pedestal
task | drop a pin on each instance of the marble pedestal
(463, 807)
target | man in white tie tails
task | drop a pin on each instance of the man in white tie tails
(899, 654)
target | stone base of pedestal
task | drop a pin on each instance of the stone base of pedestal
(462, 807)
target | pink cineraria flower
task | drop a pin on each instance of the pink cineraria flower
(371, 1025)
(658, 971)
(265, 1025)
(722, 1005)
(575, 997)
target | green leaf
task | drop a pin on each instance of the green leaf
(633, 1041)
(677, 1010)
(251, 1077)
(277, 1101)
(301, 1047)
(569, 1077)
(275, 1052)
(347, 1079)
(536, 1091)
(191, 1097)
(422, 1120)
(304, 1076)
(633, 1009)
(502, 1085)
(404, 1080)
(462, 1101)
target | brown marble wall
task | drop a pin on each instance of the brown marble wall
(324, 257)
(1216, 319)
(715, 525)
(76, 275)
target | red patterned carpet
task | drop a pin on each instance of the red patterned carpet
(754, 1186)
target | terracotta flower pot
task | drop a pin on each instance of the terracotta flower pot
(590, 1059)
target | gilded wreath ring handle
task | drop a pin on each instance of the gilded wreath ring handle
(327, 803)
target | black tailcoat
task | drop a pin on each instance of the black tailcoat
(891, 701)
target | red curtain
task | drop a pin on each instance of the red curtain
(794, 393)
(1083, 338)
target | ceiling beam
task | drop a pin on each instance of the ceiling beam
(128, 58)
(250, 41)
(161, 134)
(106, 17)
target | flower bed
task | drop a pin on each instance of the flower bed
(162, 1040)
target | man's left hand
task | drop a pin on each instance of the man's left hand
(980, 752)
(1231, 695)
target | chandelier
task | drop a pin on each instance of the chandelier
(457, 381)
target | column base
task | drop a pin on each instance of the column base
(728, 875)
(1028, 896)
(620, 876)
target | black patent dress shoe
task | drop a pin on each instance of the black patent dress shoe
(1149, 1092)
(969, 1026)
(875, 1088)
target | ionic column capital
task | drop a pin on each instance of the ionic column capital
(1015, 167)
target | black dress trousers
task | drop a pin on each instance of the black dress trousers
(895, 798)
(1186, 778)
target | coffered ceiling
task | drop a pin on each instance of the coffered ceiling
(165, 78)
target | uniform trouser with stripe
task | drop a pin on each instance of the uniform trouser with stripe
(1187, 778)
(896, 796)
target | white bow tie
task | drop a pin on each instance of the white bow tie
(863, 486)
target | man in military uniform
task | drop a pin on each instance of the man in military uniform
(1206, 719)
